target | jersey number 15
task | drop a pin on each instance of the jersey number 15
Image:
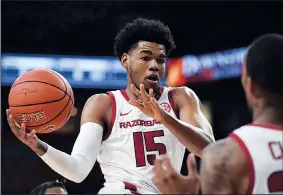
(148, 138)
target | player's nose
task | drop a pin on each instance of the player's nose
(153, 66)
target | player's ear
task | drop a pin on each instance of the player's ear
(253, 88)
(125, 60)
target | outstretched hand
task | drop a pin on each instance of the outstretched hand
(30, 139)
(147, 103)
(169, 181)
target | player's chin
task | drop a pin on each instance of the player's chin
(149, 84)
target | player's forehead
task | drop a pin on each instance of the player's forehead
(150, 48)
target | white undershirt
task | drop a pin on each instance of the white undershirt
(77, 166)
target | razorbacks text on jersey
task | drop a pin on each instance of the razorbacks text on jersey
(263, 147)
(128, 152)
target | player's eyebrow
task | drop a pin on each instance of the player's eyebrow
(146, 52)
(150, 53)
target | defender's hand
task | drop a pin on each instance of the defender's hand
(147, 103)
(169, 181)
(30, 139)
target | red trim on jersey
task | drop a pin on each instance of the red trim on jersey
(130, 187)
(158, 95)
(249, 161)
(267, 126)
(160, 91)
(171, 101)
(125, 95)
(113, 115)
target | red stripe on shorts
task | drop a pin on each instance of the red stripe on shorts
(131, 187)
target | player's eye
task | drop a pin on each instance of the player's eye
(145, 58)
(160, 61)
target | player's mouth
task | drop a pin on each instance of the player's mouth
(152, 78)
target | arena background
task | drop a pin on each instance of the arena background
(85, 31)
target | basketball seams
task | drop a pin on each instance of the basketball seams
(59, 78)
(70, 98)
(41, 102)
(66, 120)
(64, 84)
(54, 117)
(44, 83)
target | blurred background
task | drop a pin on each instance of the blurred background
(76, 39)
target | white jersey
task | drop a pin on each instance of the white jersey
(136, 140)
(263, 147)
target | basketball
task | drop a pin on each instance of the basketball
(42, 99)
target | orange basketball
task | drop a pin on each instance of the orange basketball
(42, 99)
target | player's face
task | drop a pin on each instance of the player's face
(55, 190)
(145, 64)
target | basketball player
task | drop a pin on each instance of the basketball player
(250, 160)
(125, 130)
(50, 187)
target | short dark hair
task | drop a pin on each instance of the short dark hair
(41, 188)
(142, 29)
(264, 62)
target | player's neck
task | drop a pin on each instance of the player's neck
(268, 115)
(130, 94)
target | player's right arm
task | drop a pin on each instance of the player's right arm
(76, 166)
(224, 169)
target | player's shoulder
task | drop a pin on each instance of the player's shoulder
(183, 91)
(184, 94)
(225, 158)
(101, 98)
(99, 102)
(226, 152)
(97, 108)
(219, 147)
(219, 152)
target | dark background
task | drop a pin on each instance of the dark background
(89, 28)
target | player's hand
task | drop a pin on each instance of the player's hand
(169, 181)
(147, 103)
(30, 139)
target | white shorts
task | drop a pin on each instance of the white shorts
(119, 187)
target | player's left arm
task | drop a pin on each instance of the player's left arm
(193, 129)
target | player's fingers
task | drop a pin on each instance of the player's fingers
(143, 93)
(136, 104)
(14, 123)
(158, 172)
(166, 164)
(13, 126)
(154, 103)
(29, 137)
(9, 118)
(12, 120)
(151, 92)
(33, 135)
(135, 91)
(23, 131)
(170, 173)
(192, 165)
(7, 114)
(158, 167)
